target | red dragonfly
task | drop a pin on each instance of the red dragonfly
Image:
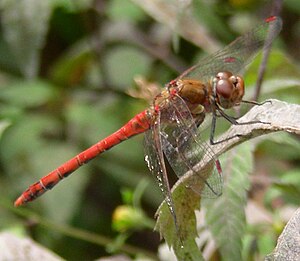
(171, 122)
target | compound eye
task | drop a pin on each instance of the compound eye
(224, 88)
(223, 75)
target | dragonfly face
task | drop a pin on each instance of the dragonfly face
(229, 89)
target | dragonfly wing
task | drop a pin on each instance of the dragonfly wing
(156, 164)
(186, 151)
(238, 54)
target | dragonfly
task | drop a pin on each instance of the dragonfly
(171, 123)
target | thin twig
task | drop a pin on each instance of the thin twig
(276, 8)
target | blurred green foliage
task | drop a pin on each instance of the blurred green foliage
(65, 71)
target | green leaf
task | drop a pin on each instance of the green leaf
(287, 187)
(95, 121)
(265, 244)
(124, 10)
(225, 216)
(25, 25)
(71, 67)
(72, 5)
(205, 11)
(22, 139)
(281, 146)
(4, 124)
(28, 93)
(182, 240)
(124, 63)
(293, 5)
(20, 143)
(292, 177)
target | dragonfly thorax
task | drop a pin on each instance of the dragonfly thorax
(193, 91)
(229, 89)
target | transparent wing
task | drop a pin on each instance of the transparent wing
(186, 151)
(238, 54)
(156, 164)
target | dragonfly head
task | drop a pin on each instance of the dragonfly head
(229, 89)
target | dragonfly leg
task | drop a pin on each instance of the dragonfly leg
(233, 121)
(213, 129)
(256, 103)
